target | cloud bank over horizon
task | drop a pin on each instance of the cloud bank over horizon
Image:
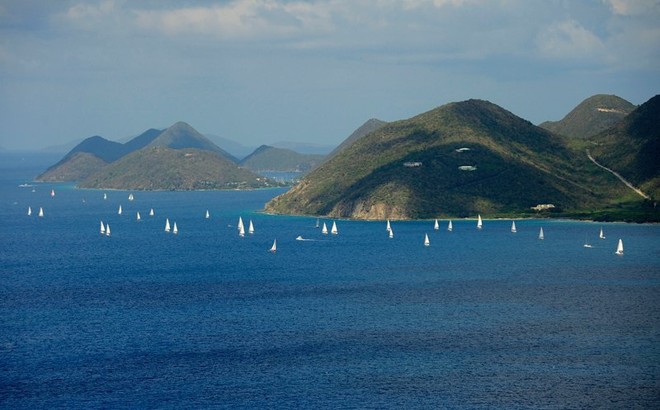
(311, 71)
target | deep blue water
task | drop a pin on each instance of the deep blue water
(479, 319)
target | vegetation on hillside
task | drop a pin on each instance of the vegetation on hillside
(473, 157)
(162, 168)
(267, 158)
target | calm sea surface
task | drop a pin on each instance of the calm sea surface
(205, 318)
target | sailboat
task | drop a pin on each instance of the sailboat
(102, 228)
(130, 197)
(436, 225)
(52, 193)
(107, 230)
(391, 235)
(586, 243)
(119, 210)
(324, 230)
(207, 216)
(619, 248)
(426, 240)
(334, 228)
(601, 235)
(175, 230)
(41, 212)
(29, 210)
(250, 227)
(137, 216)
(151, 212)
(541, 236)
(513, 227)
(450, 227)
(479, 222)
(241, 230)
(105, 196)
(167, 224)
(388, 227)
(317, 222)
(274, 247)
(240, 226)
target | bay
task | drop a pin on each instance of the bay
(478, 319)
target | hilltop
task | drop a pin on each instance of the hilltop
(267, 158)
(457, 160)
(593, 115)
(367, 128)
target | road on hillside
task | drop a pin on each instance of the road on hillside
(616, 174)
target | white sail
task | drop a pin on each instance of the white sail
(436, 225)
(317, 222)
(151, 212)
(105, 196)
(274, 247)
(241, 230)
(119, 210)
(426, 240)
(601, 235)
(137, 216)
(513, 227)
(175, 230)
(29, 210)
(41, 212)
(334, 228)
(167, 224)
(619, 248)
(102, 228)
(479, 222)
(250, 227)
(391, 233)
(240, 226)
(388, 227)
(107, 230)
(207, 216)
(130, 197)
(541, 236)
(324, 230)
(52, 192)
(450, 227)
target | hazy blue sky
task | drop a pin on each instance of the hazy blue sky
(259, 71)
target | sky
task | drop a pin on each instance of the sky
(260, 71)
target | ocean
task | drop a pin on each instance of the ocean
(208, 319)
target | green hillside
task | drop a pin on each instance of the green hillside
(456, 160)
(593, 115)
(162, 168)
(78, 165)
(632, 147)
(267, 158)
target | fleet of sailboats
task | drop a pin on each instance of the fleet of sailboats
(104, 228)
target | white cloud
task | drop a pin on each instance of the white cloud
(238, 19)
(569, 40)
(633, 7)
